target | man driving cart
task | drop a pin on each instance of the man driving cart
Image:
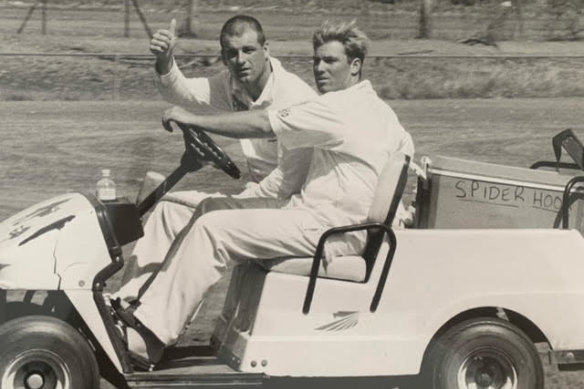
(253, 80)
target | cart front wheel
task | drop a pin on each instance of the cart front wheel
(41, 352)
(483, 353)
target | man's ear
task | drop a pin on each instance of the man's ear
(267, 48)
(223, 59)
(356, 65)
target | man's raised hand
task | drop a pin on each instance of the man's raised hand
(162, 46)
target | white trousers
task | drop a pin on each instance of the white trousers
(162, 226)
(200, 254)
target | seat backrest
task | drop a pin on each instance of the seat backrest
(388, 194)
(390, 188)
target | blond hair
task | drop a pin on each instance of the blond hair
(354, 40)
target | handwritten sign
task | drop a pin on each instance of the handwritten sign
(456, 202)
(507, 195)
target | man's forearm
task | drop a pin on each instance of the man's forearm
(240, 125)
(163, 65)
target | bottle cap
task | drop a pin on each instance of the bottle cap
(105, 172)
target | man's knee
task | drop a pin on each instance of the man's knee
(172, 216)
(212, 222)
(165, 210)
(213, 204)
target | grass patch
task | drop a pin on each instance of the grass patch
(475, 78)
(17, 97)
(394, 78)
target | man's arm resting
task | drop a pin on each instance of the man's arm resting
(254, 124)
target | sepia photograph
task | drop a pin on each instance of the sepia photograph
(282, 194)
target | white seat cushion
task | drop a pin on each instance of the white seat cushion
(349, 268)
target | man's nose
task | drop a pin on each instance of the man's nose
(240, 57)
(319, 67)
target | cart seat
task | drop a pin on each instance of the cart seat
(350, 268)
(383, 209)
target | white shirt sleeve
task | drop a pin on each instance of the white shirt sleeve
(193, 93)
(310, 124)
(406, 145)
(286, 179)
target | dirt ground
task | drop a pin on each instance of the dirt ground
(53, 147)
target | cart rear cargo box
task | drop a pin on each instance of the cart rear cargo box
(468, 194)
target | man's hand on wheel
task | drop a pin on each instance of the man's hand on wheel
(193, 158)
(176, 114)
(198, 144)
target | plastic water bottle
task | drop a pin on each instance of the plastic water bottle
(106, 187)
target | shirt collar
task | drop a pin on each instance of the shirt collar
(363, 84)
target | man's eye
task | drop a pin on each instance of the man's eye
(248, 50)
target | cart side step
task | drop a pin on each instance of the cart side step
(194, 367)
(191, 381)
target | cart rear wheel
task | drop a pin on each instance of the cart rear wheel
(41, 352)
(483, 353)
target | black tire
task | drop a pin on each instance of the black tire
(41, 352)
(483, 353)
(18, 309)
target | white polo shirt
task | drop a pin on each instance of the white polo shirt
(353, 133)
(221, 93)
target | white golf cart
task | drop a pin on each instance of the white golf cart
(491, 266)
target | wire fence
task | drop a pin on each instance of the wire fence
(451, 19)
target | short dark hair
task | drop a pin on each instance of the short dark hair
(237, 25)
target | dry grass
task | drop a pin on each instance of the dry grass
(48, 78)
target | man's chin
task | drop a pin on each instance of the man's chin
(323, 88)
(245, 79)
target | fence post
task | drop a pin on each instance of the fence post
(116, 87)
(190, 27)
(44, 17)
(425, 19)
(126, 18)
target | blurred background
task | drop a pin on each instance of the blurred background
(98, 49)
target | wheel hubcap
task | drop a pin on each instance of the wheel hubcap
(35, 381)
(487, 370)
(37, 369)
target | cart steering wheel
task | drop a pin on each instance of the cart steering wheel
(201, 148)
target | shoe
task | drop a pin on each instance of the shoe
(138, 350)
(143, 347)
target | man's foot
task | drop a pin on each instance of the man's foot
(144, 348)
(143, 354)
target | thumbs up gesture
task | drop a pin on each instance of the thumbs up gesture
(162, 46)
